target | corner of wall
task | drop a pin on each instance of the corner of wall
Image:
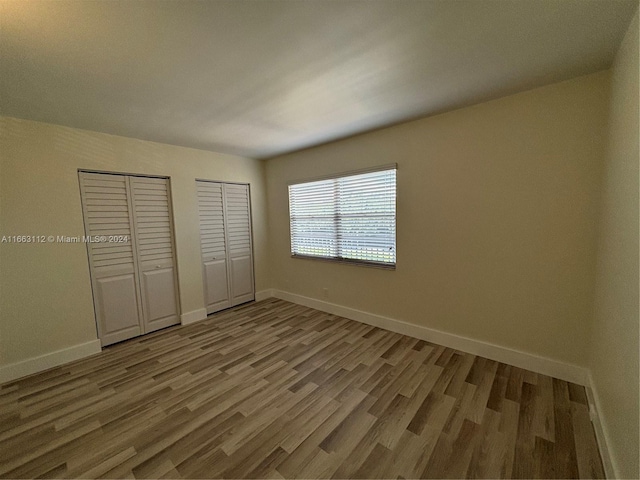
(601, 430)
(613, 372)
(264, 294)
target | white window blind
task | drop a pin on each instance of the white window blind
(348, 218)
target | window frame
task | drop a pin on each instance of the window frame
(348, 261)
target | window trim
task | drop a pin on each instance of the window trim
(347, 261)
(350, 173)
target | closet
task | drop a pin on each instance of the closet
(226, 246)
(129, 226)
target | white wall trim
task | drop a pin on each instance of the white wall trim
(264, 294)
(544, 365)
(193, 316)
(33, 365)
(603, 438)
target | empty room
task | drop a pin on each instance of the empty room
(319, 239)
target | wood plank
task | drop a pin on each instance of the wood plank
(277, 390)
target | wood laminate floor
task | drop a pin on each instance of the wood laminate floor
(273, 389)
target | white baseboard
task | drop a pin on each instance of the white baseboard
(264, 294)
(193, 316)
(602, 433)
(33, 365)
(544, 365)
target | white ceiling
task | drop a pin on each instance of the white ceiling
(259, 78)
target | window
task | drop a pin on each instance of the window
(351, 218)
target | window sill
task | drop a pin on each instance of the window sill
(346, 261)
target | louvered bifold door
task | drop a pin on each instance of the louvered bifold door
(213, 246)
(108, 216)
(155, 252)
(239, 248)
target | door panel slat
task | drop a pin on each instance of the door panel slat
(134, 281)
(155, 251)
(113, 268)
(213, 245)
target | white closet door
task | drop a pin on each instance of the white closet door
(239, 248)
(107, 212)
(213, 246)
(154, 244)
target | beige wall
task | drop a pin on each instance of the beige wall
(614, 348)
(46, 302)
(496, 208)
